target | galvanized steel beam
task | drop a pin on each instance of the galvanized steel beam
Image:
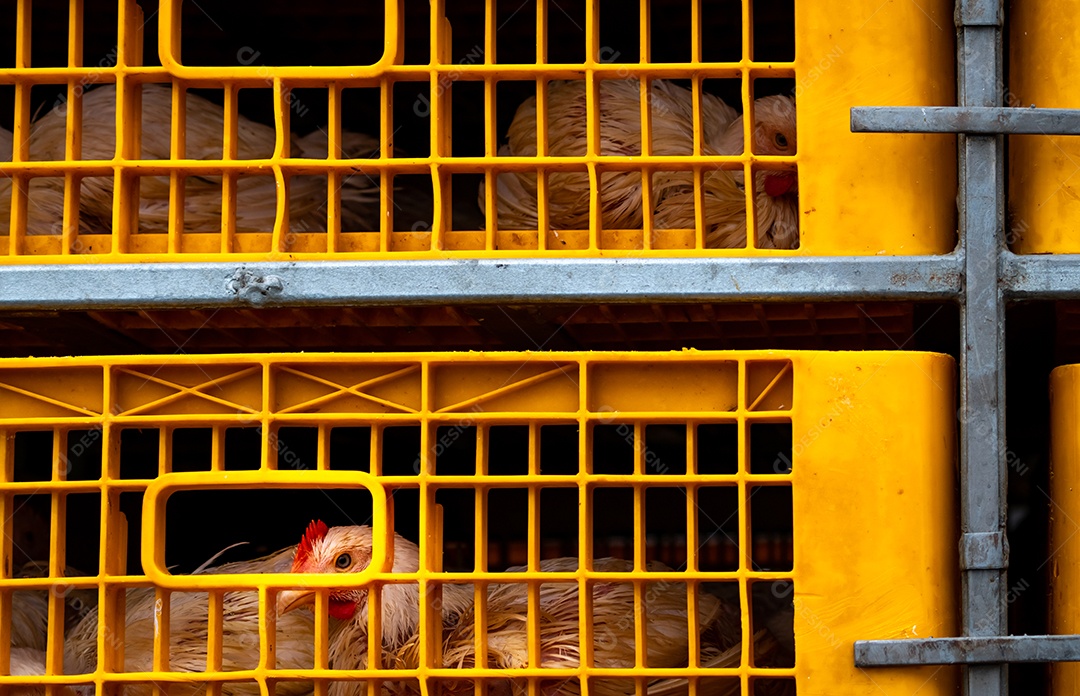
(115, 286)
(983, 476)
(985, 120)
(966, 651)
(1050, 277)
(350, 283)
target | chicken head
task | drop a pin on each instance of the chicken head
(775, 135)
(326, 550)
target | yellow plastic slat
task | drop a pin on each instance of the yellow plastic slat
(1044, 204)
(1064, 516)
(7, 512)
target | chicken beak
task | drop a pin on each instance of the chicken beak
(288, 600)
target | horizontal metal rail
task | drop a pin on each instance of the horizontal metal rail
(329, 283)
(555, 280)
(973, 120)
(1041, 277)
(967, 651)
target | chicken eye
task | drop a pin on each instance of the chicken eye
(780, 139)
(343, 561)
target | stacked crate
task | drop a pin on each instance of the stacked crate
(812, 492)
(1042, 211)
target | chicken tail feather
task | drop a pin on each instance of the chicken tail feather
(210, 561)
(764, 644)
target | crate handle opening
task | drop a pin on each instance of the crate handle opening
(158, 493)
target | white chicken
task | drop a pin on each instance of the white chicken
(29, 619)
(672, 134)
(348, 549)
(26, 662)
(189, 612)
(256, 196)
(29, 625)
(776, 192)
(666, 627)
(45, 212)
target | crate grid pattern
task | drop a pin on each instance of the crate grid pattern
(980, 276)
(125, 243)
(440, 390)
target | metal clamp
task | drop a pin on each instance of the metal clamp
(984, 551)
(979, 13)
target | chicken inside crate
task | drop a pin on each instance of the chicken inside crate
(421, 130)
(509, 523)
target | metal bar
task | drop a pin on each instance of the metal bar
(983, 477)
(328, 283)
(969, 651)
(984, 120)
(1051, 277)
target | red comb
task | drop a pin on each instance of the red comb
(315, 532)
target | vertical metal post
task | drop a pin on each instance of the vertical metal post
(983, 549)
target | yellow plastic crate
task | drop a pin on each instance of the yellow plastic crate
(866, 463)
(1065, 463)
(1043, 200)
(853, 54)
